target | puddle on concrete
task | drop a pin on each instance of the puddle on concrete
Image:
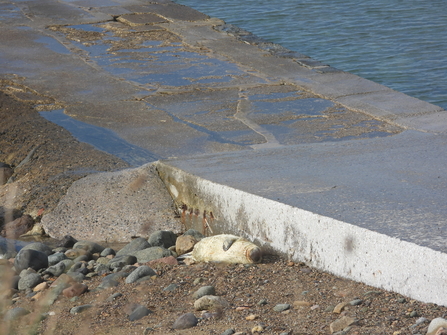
(53, 45)
(9, 12)
(156, 59)
(101, 138)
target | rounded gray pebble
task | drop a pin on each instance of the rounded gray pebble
(56, 258)
(355, 302)
(139, 313)
(140, 272)
(107, 252)
(15, 313)
(80, 309)
(29, 281)
(185, 321)
(228, 332)
(204, 290)
(281, 307)
(135, 245)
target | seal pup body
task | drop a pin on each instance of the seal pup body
(226, 248)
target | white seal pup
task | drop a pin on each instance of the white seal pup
(226, 249)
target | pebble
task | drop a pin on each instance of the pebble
(41, 287)
(162, 238)
(204, 290)
(195, 233)
(184, 244)
(356, 302)
(15, 313)
(170, 260)
(170, 287)
(339, 308)
(139, 312)
(56, 258)
(251, 317)
(114, 296)
(80, 309)
(140, 272)
(56, 270)
(301, 303)
(228, 332)
(341, 324)
(123, 260)
(210, 302)
(28, 258)
(90, 247)
(185, 321)
(257, 329)
(133, 246)
(281, 307)
(74, 253)
(29, 281)
(150, 254)
(107, 251)
(75, 290)
(38, 246)
(262, 302)
(67, 241)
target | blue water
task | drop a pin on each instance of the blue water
(400, 44)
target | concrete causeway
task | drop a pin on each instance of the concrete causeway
(250, 138)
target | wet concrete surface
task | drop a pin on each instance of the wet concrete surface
(160, 81)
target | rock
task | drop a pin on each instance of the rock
(185, 321)
(162, 238)
(56, 258)
(204, 290)
(339, 308)
(257, 329)
(119, 262)
(356, 302)
(80, 309)
(107, 251)
(36, 230)
(228, 332)
(41, 287)
(75, 253)
(226, 249)
(29, 281)
(281, 307)
(301, 303)
(150, 254)
(56, 270)
(435, 325)
(68, 263)
(210, 302)
(18, 227)
(171, 287)
(75, 290)
(341, 324)
(38, 246)
(140, 272)
(88, 246)
(15, 313)
(67, 241)
(184, 244)
(170, 260)
(194, 233)
(27, 258)
(133, 246)
(139, 312)
(5, 173)
(114, 296)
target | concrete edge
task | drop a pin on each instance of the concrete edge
(324, 243)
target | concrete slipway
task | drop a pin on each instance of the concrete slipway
(250, 138)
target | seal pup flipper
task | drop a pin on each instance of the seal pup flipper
(228, 242)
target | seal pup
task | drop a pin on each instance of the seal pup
(226, 249)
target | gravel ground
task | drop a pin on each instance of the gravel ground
(59, 160)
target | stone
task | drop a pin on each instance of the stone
(341, 324)
(170, 260)
(162, 238)
(194, 233)
(124, 260)
(302, 303)
(38, 246)
(75, 253)
(56, 258)
(41, 287)
(5, 173)
(67, 241)
(139, 312)
(228, 332)
(133, 246)
(150, 254)
(29, 281)
(139, 272)
(184, 244)
(107, 251)
(185, 321)
(171, 287)
(339, 308)
(27, 258)
(18, 227)
(80, 309)
(204, 290)
(15, 313)
(56, 270)
(435, 325)
(356, 302)
(75, 290)
(281, 307)
(210, 302)
(90, 247)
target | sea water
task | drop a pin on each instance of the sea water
(398, 43)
